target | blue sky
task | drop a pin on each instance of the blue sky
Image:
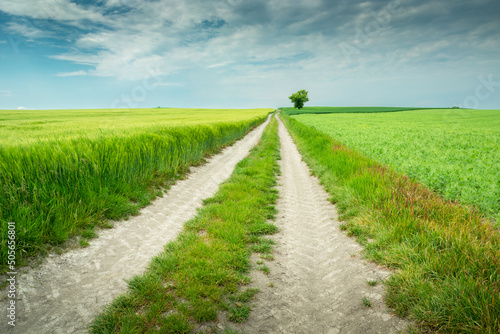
(241, 54)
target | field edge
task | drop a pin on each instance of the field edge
(446, 257)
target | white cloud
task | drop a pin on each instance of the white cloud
(58, 10)
(29, 31)
(81, 59)
(259, 44)
(167, 35)
(225, 63)
(21, 108)
(71, 74)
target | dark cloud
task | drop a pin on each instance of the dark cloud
(216, 23)
(117, 10)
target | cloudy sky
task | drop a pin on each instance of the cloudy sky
(248, 53)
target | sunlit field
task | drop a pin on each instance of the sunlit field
(446, 254)
(454, 152)
(64, 172)
(341, 110)
(26, 126)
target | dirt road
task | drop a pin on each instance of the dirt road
(316, 283)
(67, 291)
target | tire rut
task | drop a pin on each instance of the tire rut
(317, 281)
(67, 291)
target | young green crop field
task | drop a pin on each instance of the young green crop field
(64, 172)
(342, 110)
(454, 152)
(446, 255)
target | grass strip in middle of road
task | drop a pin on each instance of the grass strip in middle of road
(202, 272)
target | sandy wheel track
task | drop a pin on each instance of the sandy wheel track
(66, 292)
(318, 284)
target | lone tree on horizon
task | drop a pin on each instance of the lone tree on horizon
(298, 99)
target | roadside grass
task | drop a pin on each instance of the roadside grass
(455, 152)
(204, 271)
(54, 190)
(342, 110)
(446, 255)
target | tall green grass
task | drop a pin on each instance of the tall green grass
(21, 127)
(454, 152)
(55, 189)
(446, 256)
(203, 272)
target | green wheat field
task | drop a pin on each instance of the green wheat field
(454, 152)
(63, 172)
